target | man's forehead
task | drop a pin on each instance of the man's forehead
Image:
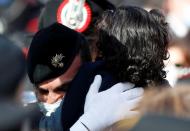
(54, 83)
(64, 78)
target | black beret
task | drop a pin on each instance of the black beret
(52, 51)
(12, 67)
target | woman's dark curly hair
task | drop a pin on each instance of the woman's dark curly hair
(133, 43)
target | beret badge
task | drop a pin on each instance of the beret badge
(56, 61)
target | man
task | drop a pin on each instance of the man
(52, 64)
(58, 65)
(55, 51)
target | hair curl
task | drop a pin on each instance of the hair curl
(134, 44)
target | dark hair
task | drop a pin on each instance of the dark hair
(134, 44)
(85, 50)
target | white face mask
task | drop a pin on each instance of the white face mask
(47, 109)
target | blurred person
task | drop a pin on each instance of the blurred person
(172, 105)
(18, 20)
(59, 66)
(155, 122)
(168, 108)
(50, 12)
(177, 15)
(54, 11)
(179, 62)
(185, 77)
(171, 101)
(12, 74)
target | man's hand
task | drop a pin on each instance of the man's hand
(102, 109)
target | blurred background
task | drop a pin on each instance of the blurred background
(21, 19)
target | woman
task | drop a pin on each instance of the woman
(134, 44)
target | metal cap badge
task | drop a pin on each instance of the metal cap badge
(56, 61)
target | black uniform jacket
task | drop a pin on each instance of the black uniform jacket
(74, 101)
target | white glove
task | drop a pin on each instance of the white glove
(102, 109)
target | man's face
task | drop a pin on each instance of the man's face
(53, 90)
